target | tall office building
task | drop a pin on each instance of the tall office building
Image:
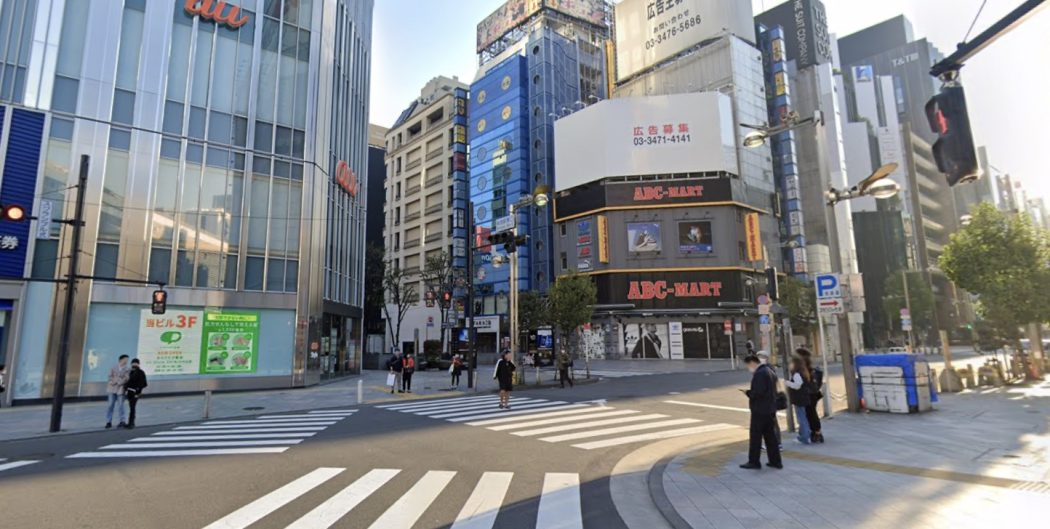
(426, 180)
(224, 152)
(375, 201)
(538, 60)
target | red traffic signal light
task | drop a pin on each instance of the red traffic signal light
(160, 301)
(953, 150)
(14, 213)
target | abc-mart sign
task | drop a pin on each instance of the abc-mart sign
(216, 11)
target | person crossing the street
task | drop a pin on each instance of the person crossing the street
(504, 375)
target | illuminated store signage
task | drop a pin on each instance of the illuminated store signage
(346, 178)
(214, 10)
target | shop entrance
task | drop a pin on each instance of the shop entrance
(339, 351)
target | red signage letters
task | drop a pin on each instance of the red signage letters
(213, 10)
(642, 290)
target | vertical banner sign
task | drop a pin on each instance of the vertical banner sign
(230, 342)
(753, 237)
(170, 344)
(675, 338)
(603, 239)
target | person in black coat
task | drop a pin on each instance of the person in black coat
(762, 400)
(133, 389)
(505, 376)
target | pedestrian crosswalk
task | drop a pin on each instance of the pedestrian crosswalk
(405, 501)
(619, 374)
(582, 425)
(10, 465)
(267, 434)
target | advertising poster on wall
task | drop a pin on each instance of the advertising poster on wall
(674, 335)
(643, 237)
(583, 232)
(169, 344)
(694, 237)
(230, 342)
(645, 340)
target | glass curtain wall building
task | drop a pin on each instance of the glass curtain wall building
(225, 142)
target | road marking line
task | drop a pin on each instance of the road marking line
(404, 513)
(526, 405)
(265, 422)
(304, 429)
(450, 406)
(592, 414)
(466, 409)
(181, 444)
(576, 409)
(504, 413)
(483, 505)
(666, 434)
(306, 417)
(334, 411)
(411, 404)
(560, 502)
(714, 406)
(16, 464)
(194, 437)
(269, 503)
(336, 507)
(582, 425)
(169, 453)
(621, 429)
(262, 427)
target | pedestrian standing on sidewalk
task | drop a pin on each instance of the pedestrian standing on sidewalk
(133, 389)
(408, 368)
(762, 400)
(504, 374)
(564, 363)
(456, 369)
(118, 376)
(763, 358)
(815, 394)
(798, 387)
(395, 365)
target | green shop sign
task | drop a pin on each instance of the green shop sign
(229, 342)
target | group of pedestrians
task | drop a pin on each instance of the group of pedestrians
(124, 383)
(765, 399)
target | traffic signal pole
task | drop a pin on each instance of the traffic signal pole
(966, 50)
(62, 362)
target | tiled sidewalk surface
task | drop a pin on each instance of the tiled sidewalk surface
(981, 460)
(22, 422)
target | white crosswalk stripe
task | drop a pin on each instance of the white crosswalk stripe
(556, 421)
(268, 434)
(15, 464)
(624, 374)
(559, 504)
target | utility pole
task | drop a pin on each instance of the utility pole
(62, 361)
(514, 297)
(471, 336)
(907, 304)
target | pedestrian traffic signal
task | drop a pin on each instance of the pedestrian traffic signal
(446, 299)
(14, 213)
(772, 287)
(160, 301)
(953, 150)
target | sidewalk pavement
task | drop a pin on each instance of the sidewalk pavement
(21, 422)
(982, 459)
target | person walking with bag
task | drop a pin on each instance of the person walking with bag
(395, 365)
(564, 363)
(762, 400)
(815, 394)
(455, 370)
(408, 368)
(133, 389)
(799, 390)
(118, 376)
(504, 374)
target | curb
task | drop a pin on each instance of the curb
(655, 479)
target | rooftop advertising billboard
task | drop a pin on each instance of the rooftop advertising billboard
(514, 12)
(681, 133)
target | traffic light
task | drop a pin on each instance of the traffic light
(772, 288)
(953, 150)
(446, 299)
(508, 240)
(14, 213)
(160, 301)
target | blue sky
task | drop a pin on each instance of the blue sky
(416, 40)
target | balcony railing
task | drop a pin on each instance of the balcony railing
(412, 216)
(435, 208)
(413, 164)
(434, 154)
(412, 190)
(411, 243)
(434, 181)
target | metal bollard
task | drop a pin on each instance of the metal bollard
(207, 403)
(360, 392)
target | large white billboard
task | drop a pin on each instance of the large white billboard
(649, 31)
(681, 133)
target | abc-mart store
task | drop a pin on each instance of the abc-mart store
(219, 147)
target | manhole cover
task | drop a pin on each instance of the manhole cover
(254, 408)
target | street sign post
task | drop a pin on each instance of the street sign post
(829, 294)
(503, 224)
(43, 219)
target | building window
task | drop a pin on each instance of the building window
(160, 265)
(562, 226)
(64, 96)
(253, 273)
(123, 106)
(564, 260)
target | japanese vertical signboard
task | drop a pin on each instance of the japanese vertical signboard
(753, 237)
(231, 342)
(170, 344)
(603, 239)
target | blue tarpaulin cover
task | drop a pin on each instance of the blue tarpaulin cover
(905, 361)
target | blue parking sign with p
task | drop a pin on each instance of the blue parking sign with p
(828, 286)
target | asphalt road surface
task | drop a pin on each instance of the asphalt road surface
(456, 462)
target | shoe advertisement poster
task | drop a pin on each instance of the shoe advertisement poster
(230, 342)
(169, 344)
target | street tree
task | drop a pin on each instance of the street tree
(798, 299)
(572, 299)
(439, 277)
(1003, 259)
(401, 294)
(533, 312)
(923, 306)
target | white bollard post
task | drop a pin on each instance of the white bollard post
(360, 392)
(207, 403)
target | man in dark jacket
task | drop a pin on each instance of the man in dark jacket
(396, 365)
(762, 400)
(133, 389)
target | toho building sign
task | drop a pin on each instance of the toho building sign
(215, 10)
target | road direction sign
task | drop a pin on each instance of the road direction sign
(831, 306)
(503, 224)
